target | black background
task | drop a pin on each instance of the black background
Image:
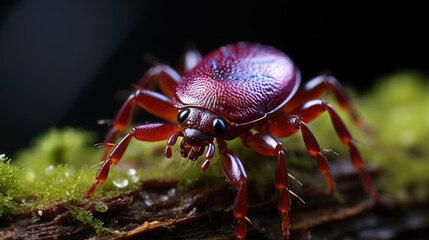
(63, 63)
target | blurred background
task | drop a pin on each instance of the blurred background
(63, 63)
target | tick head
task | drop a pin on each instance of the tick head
(199, 128)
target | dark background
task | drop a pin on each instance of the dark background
(63, 63)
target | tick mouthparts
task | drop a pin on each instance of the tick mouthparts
(189, 151)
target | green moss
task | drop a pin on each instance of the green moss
(58, 183)
(59, 167)
(9, 187)
(398, 107)
(72, 147)
(87, 218)
(53, 169)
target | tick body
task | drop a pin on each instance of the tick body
(244, 90)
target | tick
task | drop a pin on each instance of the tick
(244, 90)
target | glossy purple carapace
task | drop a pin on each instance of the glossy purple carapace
(242, 82)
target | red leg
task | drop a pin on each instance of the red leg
(150, 132)
(167, 79)
(316, 88)
(268, 145)
(153, 102)
(236, 175)
(209, 155)
(188, 61)
(314, 108)
(287, 126)
(163, 76)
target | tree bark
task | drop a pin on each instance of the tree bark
(161, 210)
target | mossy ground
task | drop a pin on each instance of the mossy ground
(61, 165)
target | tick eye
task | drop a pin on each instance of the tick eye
(219, 127)
(183, 115)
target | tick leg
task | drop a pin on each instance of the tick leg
(289, 125)
(189, 60)
(162, 76)
(151, 101)
(151, 132)
(269, 145)
(236, 175)
(314, 150)
(313, 109)
(316, 88)
(209, 155)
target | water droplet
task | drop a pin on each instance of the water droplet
(120, 182)
(49, 169)
(163, 198)
(131, 172)
(134, 179)
(100, 206)
(192, 212)
(148, 202)
(145, 195)
(30, 176)
(171, 192)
